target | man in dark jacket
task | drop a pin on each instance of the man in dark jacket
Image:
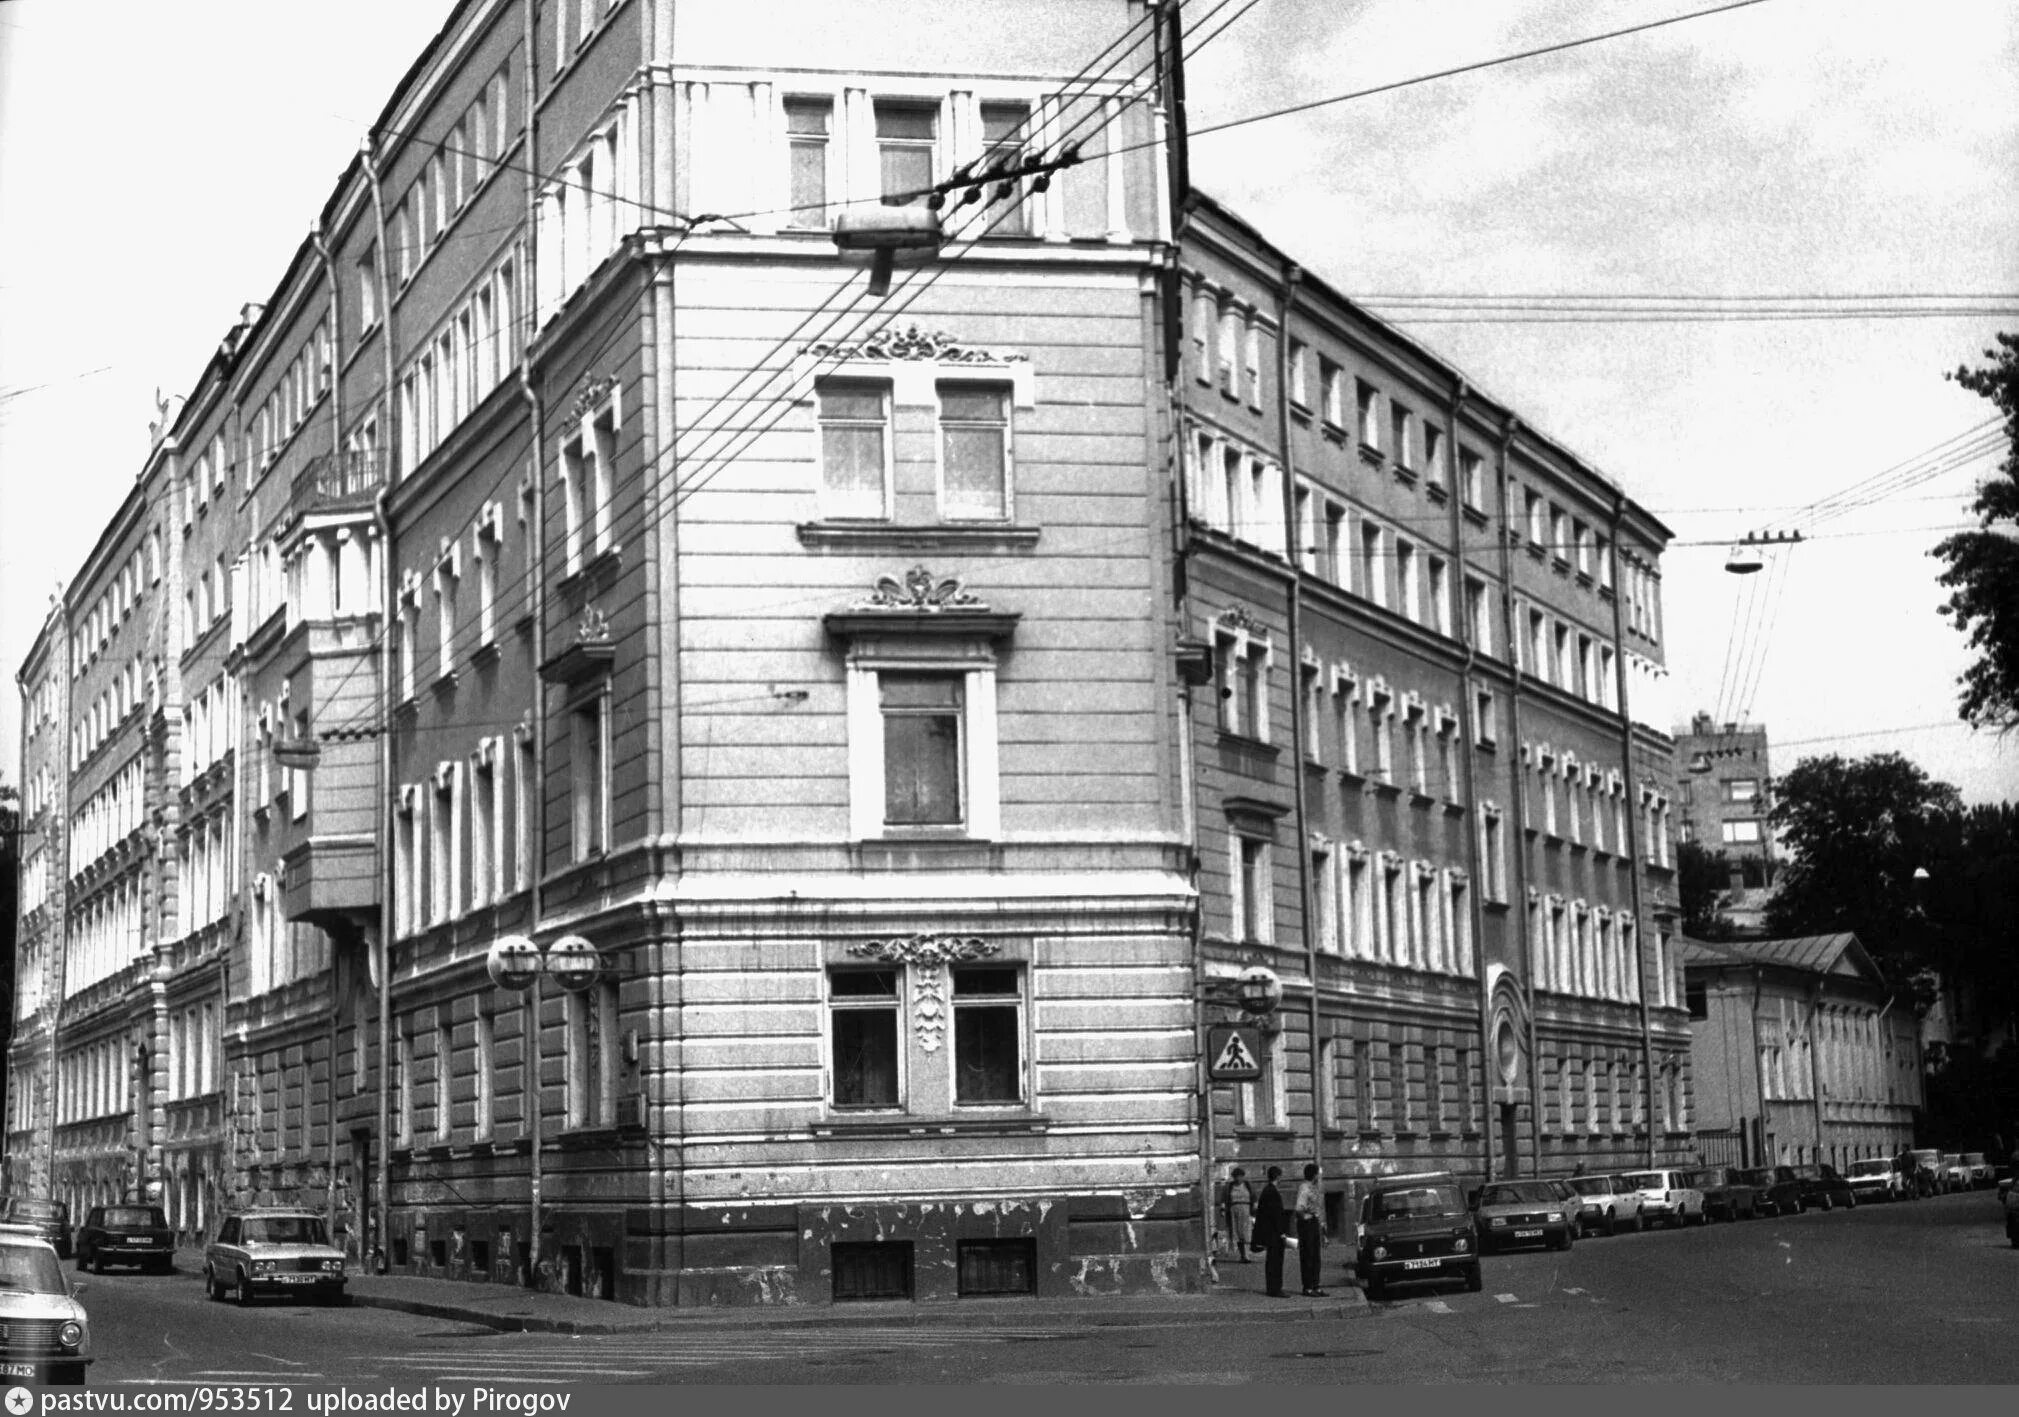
(1272, 1228)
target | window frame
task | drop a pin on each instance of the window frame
(1005, 393)
(829, 497)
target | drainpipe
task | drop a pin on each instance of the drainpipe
(1640, 931)
(1816, 1059)
(389, 820)
(336, 434)
(534, 1064)
(1468, 729)
(1293, 553)
(1519, 805)
(1759, 1070)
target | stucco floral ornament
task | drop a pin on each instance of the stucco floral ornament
(919, 589)
(928, 955)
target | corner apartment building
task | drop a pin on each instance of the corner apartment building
(568, 547)
(1727, 794)
(95, 747)
(1804, 1052)
(1433, 795)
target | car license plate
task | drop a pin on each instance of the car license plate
(1528, 1234)
(17, 1370)
(296, 1278)
(1420, 1264)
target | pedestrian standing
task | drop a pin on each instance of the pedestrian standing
(1272, 1232)
(1239, 1212)
(1311, 1231)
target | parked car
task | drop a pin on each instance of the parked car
(1982, 1173)
(1415, 1228)
(273, 1250)
(1667, 1196)
(1955, 1175)
(1512, 1213)
(1726, 1196)
(2004, 1180)
(1775, 1190)
(1605, 1203)
(126, 1234)
(1877, 1179)
(2012, 1215)
(49, 1219)
(45, 1335)
(1928, 1179)
(1822, 1188)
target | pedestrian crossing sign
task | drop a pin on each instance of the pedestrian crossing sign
(1235, 1055)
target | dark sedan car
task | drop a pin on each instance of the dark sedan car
(49, 1219)
(1822, 1188)
(1775, 1189)
(125, 1234)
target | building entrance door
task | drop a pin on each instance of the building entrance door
(1510, 1141)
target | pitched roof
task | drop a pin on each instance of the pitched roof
(1839, 954)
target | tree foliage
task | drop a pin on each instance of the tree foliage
(1702, 875)
(1855, 832)
(1982, 566)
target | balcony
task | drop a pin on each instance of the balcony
(337, 483)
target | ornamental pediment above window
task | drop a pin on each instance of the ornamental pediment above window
(915, 362)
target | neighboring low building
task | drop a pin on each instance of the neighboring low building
(1803, 1051)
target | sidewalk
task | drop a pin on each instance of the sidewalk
(1239, 1294)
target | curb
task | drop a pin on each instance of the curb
(1193, 1307)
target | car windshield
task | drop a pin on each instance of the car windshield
(1758, 1176)
(285, 1230)
(1422, 1200)
(1519, 1193)
(1646, 1181)
(1809, 1173)
(1973, 1158)
(131, 1217)
(38, 1210)
(29, 1269)
(1590, 1185)
(1870, 1168)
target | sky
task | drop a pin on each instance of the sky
(159, 164)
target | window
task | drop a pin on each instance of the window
(974, 453)
(1367, 400)
(1203, 308)
(484, 824)
(368, 288)
(1229, 351)
(1559, 540)
(1254, 903)
(1744, 831)
(591, 1060)
(1003, 128)
(1381, 717)
(1373, 564)
(1478, 615)
(854, 449)
(1580, 536)
(922, 758)
(403, 1083)
(588, 778)
(448, 576)
(988, 1034)
(442, 858)
(1411, 594)
(862, 1009)
(1492, 860)
(524, 786)
(1300, 395)
(489, 549)
(487, 1053)
(1536, 529)
(1332, 549)
(906, 135)
(1345, 707)
(1440, 595)
(1251, 358)
(807, 122)
(1402, 428)
(444, 1067)
(1415, 735)
(1332, 385)
(1742, 789)
(1433, 454)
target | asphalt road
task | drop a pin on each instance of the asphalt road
(1914, 1293)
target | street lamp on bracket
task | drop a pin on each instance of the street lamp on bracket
(514, 962)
